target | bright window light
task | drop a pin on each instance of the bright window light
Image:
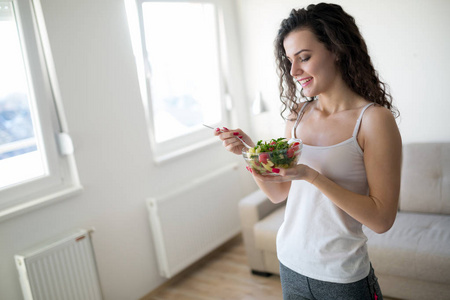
(21, 157)
(181, 40)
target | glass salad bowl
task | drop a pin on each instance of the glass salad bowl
(276, 153)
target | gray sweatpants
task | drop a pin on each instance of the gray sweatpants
(297, 287)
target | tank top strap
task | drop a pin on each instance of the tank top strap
(358, 123)
(299, 117)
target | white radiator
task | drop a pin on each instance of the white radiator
(194, 219)
(61, 269)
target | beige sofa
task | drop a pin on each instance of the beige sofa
(412, 259)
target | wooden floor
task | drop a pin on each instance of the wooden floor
(222, 275)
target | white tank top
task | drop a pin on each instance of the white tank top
(318, 239)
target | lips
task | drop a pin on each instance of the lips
(305, 81)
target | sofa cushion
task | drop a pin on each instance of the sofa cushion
(266, 230)
(417, 246)
(425, 185)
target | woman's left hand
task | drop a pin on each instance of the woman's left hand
(299, 172)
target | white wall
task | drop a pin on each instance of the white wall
(100, 93)
(409, 45)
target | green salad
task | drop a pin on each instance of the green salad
(276, 153)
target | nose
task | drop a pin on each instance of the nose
(296, 70)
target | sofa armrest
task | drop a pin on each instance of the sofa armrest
(252, 209)
(255, 207)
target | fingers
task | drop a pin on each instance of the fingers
(267, 178)
(281, 171)
(282, 175)
(218, 131)
(225, 133)
(294, 173)
(231, 139)
(229, 136)
(231, 144)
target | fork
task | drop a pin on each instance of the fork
(245, 144)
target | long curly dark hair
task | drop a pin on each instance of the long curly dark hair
(337, 30)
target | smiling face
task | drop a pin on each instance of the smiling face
(313, 66)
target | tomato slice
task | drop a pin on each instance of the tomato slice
(294, 148)
(290, 152)
(263, 157)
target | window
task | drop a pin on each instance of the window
(182, 72)
(19, 125)
(35, 155)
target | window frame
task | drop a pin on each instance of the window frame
(202, 137)
(62, 180)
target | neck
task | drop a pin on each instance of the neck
(338, 98)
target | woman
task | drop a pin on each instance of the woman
(349, 171)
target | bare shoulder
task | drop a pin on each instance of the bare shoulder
(377, 115)
(379, 125)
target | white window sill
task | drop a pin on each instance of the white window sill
(39, 202)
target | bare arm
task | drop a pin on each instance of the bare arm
(381, 141)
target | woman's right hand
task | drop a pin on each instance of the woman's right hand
(230, 140)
